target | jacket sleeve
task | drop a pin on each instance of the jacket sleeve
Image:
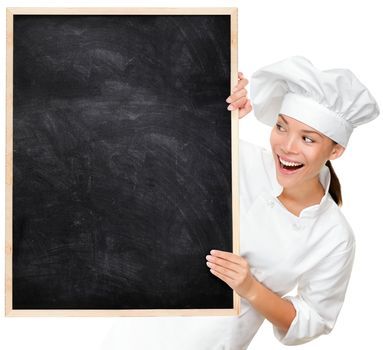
(319, 298)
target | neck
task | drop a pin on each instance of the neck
(306, 194)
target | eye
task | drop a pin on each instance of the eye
(308, 139)
(279, 127)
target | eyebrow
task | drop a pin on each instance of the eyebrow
(305, 131)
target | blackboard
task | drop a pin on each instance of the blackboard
(121, 161)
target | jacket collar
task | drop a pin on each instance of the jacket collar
(314, 210)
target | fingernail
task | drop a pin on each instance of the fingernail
(230, 107)
(228, 99)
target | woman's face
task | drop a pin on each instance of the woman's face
(300, 152)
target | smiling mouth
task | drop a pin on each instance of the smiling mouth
(291, 166)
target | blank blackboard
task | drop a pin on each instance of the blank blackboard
(121, 161)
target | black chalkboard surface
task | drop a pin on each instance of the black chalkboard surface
(122, 161)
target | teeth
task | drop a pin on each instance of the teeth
(289, 163)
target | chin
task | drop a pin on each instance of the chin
(286, 183)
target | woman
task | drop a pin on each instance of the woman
(292, 230)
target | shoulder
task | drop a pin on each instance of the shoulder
(254, 158)
(247, 147)
(255, 169)
(339, 230)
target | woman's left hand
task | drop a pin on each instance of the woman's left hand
(233, 270)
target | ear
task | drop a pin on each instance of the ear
(336, 152)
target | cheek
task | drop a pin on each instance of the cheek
(274, 138)
(314, 158)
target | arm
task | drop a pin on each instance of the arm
(320, 297)
(278, 311)
(235, 271)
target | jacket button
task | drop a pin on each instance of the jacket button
(296, 226)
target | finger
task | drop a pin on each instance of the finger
(242, 264)
(224, 264)
(242, 82)
(245, 110)
(237, 104)
(226, 255)
(236, 95)
(222, 270)
(227, 280)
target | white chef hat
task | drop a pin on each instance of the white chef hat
(333, 101)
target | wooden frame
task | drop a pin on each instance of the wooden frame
(9, 311)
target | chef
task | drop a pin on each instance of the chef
(293, 233)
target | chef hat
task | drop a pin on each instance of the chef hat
(332, 101)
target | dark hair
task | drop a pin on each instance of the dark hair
(335, 189)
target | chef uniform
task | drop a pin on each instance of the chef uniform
(313, 251)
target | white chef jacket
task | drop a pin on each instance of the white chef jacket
(314, 252)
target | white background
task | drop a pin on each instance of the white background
(332, 34)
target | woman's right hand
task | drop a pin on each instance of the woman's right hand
(238, 98)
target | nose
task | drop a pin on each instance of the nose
(290, 145)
